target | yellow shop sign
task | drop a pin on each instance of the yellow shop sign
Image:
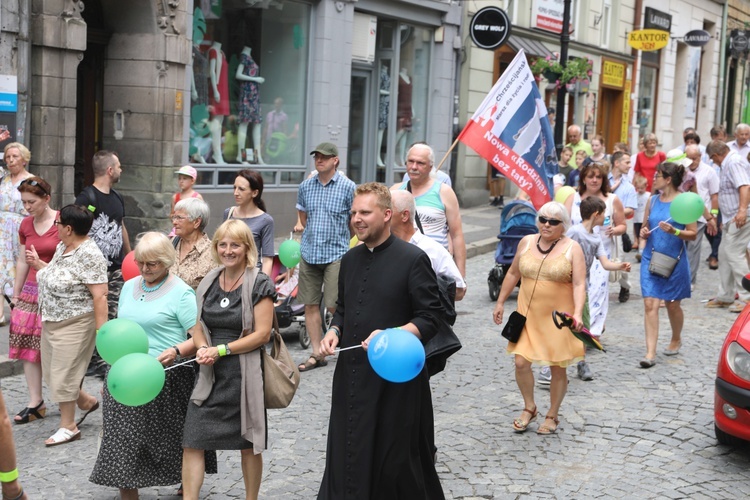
(648, 40)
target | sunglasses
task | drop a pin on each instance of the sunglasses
(552, 222)
(32, 182)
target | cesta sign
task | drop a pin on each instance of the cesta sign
(648, 40)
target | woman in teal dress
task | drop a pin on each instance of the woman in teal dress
(664, 235)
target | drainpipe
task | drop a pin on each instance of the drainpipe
(23, 116)
(722, 64)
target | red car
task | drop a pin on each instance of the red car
(732, 395)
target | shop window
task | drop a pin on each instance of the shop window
(248, 96)
(647, 99)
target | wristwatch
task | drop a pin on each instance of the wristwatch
(229, 351)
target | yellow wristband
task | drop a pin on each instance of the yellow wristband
(715, 211)
(222, 350)
(9, 477)
(676, 232)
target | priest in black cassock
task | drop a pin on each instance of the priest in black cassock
(380, 434)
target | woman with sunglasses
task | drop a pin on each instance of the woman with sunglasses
(73, 290)
(553, 269)
(38, 240)
(12, 212)
(667, 237)
(250, 209)
(594, 181)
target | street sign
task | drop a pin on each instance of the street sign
(697, 38)
(648, 40)
(490, 28)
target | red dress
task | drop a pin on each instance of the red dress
(25, 319)
(220, 108)
(646, 166)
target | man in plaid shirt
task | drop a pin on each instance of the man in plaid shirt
(324, 202)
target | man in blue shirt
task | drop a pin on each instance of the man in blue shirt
(621, 186)
(324, 202)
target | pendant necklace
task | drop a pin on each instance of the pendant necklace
(224, 303)
(545, 252)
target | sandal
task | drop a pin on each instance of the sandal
(63, 436)
(29, 414)
(546, 430)
(521, 425)
(21, 494)
(312, 363)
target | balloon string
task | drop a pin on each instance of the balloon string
(180, 364)
(347, 348)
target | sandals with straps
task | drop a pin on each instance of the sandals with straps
(546, 430)
(521, 425)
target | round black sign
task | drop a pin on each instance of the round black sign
(739, 41)
(490, 28)
(697, 38)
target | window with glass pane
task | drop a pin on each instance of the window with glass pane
(646, 93)
(249, 82)
(413, 84)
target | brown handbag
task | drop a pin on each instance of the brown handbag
(280, 373)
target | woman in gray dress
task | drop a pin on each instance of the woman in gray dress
(235, 316)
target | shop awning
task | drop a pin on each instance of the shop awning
(531, 47)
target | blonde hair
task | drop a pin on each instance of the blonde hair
(25, 153)
(238, 231)
(155, 246)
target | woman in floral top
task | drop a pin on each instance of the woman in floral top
(194, 258)
(73, 302)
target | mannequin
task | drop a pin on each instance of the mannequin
(218, 97)
(385, 103)
(405, 114)
(249, 103)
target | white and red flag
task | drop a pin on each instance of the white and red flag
(511, 130)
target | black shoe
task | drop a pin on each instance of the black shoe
(500, 202)
(493, 202)
(624, 295)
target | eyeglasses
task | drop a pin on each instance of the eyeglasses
(552, 222)
(32, 182)
(179, 218)
(58, 223)
(657, 175)
(148, 265)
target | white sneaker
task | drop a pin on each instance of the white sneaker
(545, 376)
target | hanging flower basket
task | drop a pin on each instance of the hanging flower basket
(577, 68)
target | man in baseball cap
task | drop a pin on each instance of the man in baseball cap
(326, 149)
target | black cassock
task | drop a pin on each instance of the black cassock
(381, 434)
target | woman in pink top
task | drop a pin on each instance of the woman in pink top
(647, 160)
(38, 239)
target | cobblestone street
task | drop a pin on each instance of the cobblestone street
(629, 433)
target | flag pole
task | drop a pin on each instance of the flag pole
(448, 152)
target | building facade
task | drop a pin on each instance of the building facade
(225, 85)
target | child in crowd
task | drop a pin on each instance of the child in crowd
(576, 174)
(641, 184)
(592, 215)
(565, 156)
(186, 177)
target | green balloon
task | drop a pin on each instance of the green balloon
(118, 337)
(135, 379)
(686, 208)
(289, 253)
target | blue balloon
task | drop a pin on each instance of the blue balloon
(396, 355)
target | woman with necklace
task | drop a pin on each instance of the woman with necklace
(73, 287)
(250, 209)
(142, 445)
(227, 410)
(594, 181)
(668, 237)
(12, 212)
(554, 278)
(194, 259)
(38, 240)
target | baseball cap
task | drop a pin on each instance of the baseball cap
(679, 157)
(326, 148)
(189, 171)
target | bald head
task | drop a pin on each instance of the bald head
(574, 134)
(693, 152)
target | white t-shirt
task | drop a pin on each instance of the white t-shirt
(707, 184)
(442, 261)
(641, 210)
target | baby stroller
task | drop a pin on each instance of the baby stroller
(517, 220)
(289, 310)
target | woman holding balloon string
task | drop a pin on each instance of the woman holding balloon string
(142, 445)
(250, 209)
(73, 291)
(227, 409)
(666, 236)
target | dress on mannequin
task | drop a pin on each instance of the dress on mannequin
(249, 103)
(405, 114)
(383, 108)
(218, 97)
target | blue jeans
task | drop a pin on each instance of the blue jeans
(715, 241)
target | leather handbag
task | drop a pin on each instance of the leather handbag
(662, 264)
(445, 343)
(627, 243)
(280, 372)
(514, 326)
